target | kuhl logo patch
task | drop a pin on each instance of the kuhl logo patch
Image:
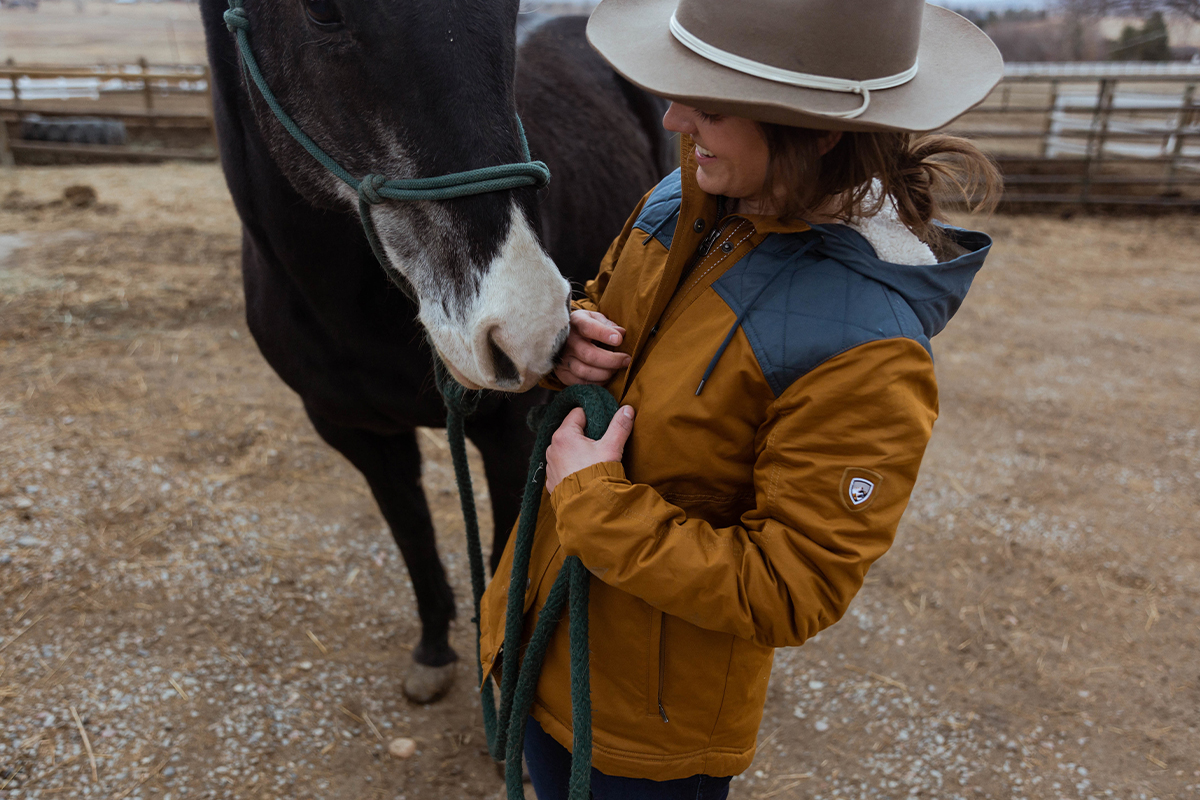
(860, 490)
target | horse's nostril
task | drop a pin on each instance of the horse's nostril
(506, 370)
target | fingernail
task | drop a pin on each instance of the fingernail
(614, 339)
(628, 411)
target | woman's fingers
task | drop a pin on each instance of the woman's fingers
(618, 432)
(593, 356)
(583, 373)
(573, 425)
(571, 450)
(583, 361)
(597, 327)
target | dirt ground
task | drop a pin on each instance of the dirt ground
(194, 581)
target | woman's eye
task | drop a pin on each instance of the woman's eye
(323, 12)
(708, 117)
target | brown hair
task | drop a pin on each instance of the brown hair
(913, 170)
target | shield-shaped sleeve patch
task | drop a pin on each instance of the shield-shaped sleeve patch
(859, 488)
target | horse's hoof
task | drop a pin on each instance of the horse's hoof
(428, 684)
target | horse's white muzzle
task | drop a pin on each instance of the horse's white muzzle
(516, 324)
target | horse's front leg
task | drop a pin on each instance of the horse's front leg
(392, 466)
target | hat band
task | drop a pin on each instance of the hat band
(802, 79)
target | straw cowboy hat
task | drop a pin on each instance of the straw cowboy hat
(902, 65)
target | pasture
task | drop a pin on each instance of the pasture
(200, 600)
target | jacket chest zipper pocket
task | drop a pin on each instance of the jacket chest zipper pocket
(656, 667)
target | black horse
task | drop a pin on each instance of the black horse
(415, 88)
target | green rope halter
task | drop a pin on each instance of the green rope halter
(505, 728)
(375, 189)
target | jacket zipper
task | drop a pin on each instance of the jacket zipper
(707, 242)
(662, 669)
(705, 245)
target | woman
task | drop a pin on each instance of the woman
(767, 312)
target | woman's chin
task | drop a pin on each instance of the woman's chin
(709, 184)
(711, 181)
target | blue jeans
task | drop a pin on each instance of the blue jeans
(550, 767)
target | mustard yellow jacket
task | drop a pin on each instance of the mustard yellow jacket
(743, 517)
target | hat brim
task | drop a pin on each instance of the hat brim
(959, 66)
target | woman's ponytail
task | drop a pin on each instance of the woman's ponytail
(930, 169)
(919, 174)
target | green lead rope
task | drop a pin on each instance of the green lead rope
(375, 189)
(505, 727)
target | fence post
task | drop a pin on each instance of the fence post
(1098, 134)
(147, 94)
(1049, 129)
(1186, 109)
(6, 156)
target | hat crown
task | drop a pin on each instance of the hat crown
(858, 41)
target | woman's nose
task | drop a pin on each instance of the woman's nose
(679, 119)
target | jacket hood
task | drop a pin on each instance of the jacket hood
(933, 290)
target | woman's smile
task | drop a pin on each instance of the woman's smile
(731, 154)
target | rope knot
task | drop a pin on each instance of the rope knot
(458, 399)
(368, 189)
(236, 19)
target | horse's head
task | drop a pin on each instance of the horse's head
(410, 90)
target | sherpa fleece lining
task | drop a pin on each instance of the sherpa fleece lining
(891, 238)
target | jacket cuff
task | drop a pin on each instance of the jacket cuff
(577, 482)
(550, 381)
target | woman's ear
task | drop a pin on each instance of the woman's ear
(828, 142)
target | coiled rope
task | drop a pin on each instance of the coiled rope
(505, 726)
(375, 189)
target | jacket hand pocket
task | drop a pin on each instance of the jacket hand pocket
(656, 667)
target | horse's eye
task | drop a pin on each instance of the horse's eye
(323, 12)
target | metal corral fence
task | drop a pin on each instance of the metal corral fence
(1094, 134)
(1072, 133)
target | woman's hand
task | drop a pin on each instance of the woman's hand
(583, 360)
(571, 450)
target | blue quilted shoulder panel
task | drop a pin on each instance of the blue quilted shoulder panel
(813, 309)
(660, 214)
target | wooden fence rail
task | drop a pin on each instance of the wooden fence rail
(1103, 134)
